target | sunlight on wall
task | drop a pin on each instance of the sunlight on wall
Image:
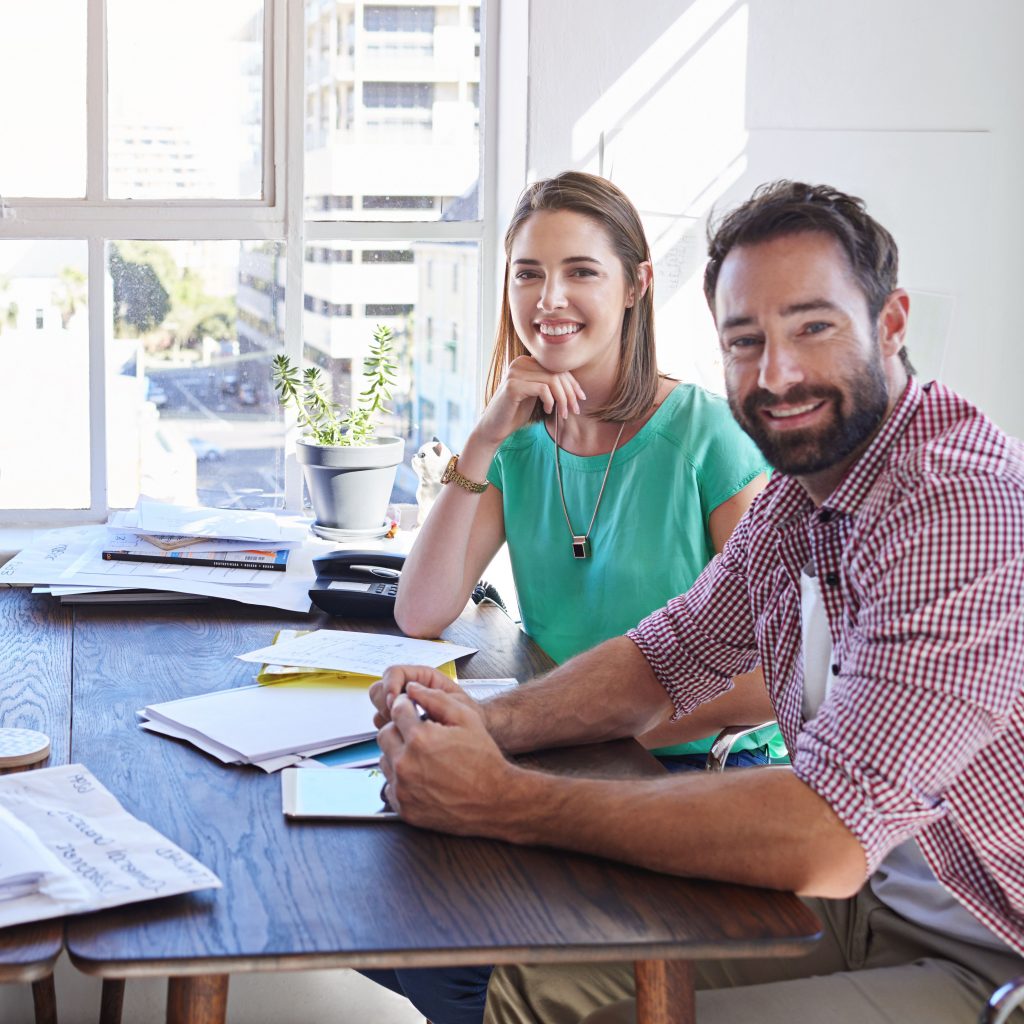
(671, 132)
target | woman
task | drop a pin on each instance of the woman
(612, 484)
(582, 438)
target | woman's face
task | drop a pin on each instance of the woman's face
(568, 293)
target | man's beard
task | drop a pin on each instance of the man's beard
(802, 452)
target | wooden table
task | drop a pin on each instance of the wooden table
(35, 693)
(308, 895)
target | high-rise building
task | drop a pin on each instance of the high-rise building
(392, 134)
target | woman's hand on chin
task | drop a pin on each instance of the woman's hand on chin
(525, 382)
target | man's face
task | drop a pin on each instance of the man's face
(803, 367)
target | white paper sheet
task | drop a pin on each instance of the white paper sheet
(367, 653)
(49, 555)
(265, 722)
(225, 754)
(238, 524)
(97, 855)
(23, 859)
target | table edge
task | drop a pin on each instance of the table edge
(195, 966)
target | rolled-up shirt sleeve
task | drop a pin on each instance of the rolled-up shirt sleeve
(931, 662)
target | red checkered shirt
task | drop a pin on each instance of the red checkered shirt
(920, 556)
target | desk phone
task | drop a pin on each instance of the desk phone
(357, 583)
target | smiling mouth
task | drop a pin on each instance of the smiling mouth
(558, 330)
(792, 411)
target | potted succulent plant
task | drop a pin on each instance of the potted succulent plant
(349, 470)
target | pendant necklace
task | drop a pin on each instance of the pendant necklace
(581, 543)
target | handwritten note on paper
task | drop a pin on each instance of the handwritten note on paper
(367, 653)
(97, 854)
(50, 555)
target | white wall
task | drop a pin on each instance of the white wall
(913, 104)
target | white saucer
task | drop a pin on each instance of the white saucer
(336, 534)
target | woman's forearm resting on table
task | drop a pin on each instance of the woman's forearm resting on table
(455, 544)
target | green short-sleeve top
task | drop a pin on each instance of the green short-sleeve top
(650, 539)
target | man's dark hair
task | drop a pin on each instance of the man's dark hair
(791, 207)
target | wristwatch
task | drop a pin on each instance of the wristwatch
(451, 475)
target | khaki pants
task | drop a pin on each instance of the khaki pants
(871, 967)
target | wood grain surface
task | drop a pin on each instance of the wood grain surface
(35, 693)
(307, 894)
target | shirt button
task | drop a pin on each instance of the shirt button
(835, 669)
(825, 515)
(832, 579)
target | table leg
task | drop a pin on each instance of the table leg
(199, 1000)
(111, 1000)
(44, 999)
(664, 992)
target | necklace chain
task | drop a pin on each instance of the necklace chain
(581, 543)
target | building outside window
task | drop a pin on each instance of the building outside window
(145, 261)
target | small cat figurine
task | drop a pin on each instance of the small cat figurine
(428, 464)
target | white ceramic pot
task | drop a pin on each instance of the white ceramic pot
(350, 487)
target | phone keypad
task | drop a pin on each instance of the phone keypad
(387, 589)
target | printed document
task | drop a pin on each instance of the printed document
(366, 653)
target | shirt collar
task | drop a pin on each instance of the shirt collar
(791, 500)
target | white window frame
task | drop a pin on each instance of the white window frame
(279, 215)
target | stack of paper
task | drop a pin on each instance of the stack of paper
(48, 870)
(304, 713)
(366, 754)
(72, 562)
(268, 726)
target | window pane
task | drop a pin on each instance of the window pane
(426, 292)
(185, 99)
(44, 417)
(42, 98)
(194, 327)
(399, 138)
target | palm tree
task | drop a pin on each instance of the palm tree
(8, 313)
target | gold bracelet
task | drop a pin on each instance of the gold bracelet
(451, 475)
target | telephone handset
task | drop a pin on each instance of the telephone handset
(357, 583)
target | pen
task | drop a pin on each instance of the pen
(420, 710)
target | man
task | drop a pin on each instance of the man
(879, 582)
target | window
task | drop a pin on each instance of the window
(388, 256)
(400, 19)
(398, 202)
(398, 94)
(169, 288)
